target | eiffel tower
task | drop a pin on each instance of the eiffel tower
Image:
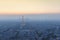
(22, 22)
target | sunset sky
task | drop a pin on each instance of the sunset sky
(29, 6)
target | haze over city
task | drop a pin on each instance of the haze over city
(29, 19)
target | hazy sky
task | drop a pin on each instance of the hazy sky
(29, 6)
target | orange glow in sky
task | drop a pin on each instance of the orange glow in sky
(29, 6)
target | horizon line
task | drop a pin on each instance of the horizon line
(30, 14)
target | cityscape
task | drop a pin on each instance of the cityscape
(29, 19)
(29, 30)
